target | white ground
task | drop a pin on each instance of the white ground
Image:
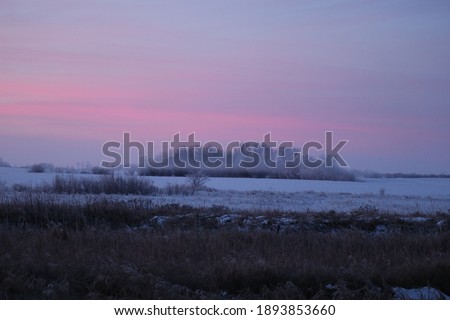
(401, 195)
(425, 293)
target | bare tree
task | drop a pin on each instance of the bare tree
(196, 181)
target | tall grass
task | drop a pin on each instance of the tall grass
(134, 250)
(108, 184)
(231, 264)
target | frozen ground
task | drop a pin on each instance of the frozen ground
(399, 186)
(425, 195)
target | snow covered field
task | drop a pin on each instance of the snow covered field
(357, 246)
(424, 195)
(399, 186)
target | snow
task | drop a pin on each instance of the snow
(402, 195)
(425, 293)
(403, 186)
(399, 186)
(381, 229)
(159, 220)
(228, 218)
(440, 224)
(307, 202)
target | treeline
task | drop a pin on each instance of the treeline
(323, 173)
(4, 163)
(232, 167)
(378, 175)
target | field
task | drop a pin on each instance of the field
(90, 237)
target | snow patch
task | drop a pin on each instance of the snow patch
(381, 228)
(228, 218)
(425, 293)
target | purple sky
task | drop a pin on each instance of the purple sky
(74, 74)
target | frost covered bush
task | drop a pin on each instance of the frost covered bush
(37, 168)
(41, 167)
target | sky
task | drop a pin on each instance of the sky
(75, 74)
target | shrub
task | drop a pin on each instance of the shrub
(100, 170)
(37, 168)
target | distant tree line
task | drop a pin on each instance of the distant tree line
(232, 168)
(378, 175)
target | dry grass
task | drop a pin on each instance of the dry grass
(100, 250)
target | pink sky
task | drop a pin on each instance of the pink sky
(74, 74)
